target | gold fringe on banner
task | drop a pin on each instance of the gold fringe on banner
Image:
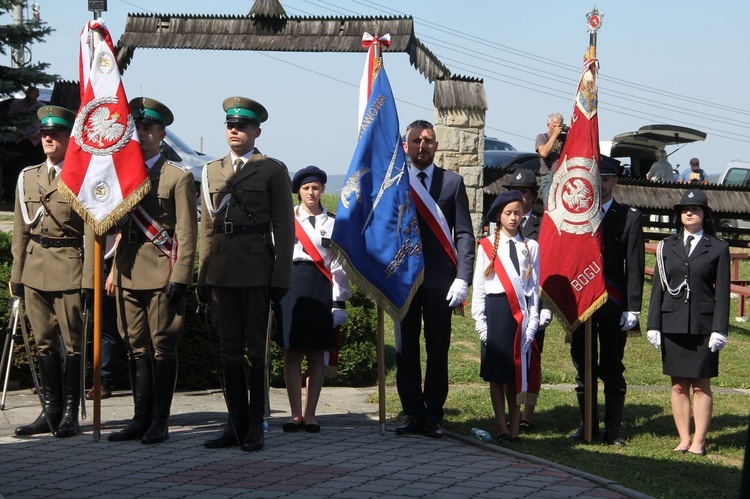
(100, 227)
(569, 329)
(371, 291)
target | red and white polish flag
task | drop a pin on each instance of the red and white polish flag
(104, 175)
(372, 65)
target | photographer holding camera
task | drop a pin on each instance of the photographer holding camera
(549, 145)
(695, 175)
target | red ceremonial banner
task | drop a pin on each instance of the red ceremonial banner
(570, 240)
(104, 175)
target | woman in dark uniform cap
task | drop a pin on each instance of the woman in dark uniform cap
(689, 314)
(315, 305)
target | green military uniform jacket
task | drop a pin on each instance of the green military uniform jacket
(48, 268)
(261, 195)
(139, 263)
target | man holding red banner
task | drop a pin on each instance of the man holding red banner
(623, 254)
(153, 267)
(448, 244)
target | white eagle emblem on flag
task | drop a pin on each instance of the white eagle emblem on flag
(102, 125)
(573, 200)
(98, 131)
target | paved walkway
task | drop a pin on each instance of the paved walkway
(348, 458)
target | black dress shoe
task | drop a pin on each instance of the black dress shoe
(579, 433)
(433, 430)
(410, 427)
(291, 426)
(612, 437)
(312, 428)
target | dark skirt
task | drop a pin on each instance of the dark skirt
(688, 356)
(304, 320)
(498, 365)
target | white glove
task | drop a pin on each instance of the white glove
(654, 337)
(628, 320)
(457, 293)
(545, 317)
(717, 341)
(528, 339)
(340, 315)
(483, 335)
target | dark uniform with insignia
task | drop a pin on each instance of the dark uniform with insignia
(247, 240)
(153, 267)
(48, 273)
(623, 256)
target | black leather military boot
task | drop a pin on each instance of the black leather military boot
(164, 383)
(72, 398)
(51, 379)
(235, 392)
(142, 382)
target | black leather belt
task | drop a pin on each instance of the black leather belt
(57, 242)
(231, 228)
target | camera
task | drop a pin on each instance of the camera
(565, 128)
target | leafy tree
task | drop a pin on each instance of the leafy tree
(15, 79)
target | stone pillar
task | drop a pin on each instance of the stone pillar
(460, 134)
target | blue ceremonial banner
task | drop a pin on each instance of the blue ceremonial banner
(376, 235)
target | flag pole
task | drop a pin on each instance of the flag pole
(381, 369)
(97, 335)
(594, 21)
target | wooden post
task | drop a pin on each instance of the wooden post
(381, 370)
(588, 394)
(97, 336)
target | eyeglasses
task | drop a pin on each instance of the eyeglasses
(241, 127)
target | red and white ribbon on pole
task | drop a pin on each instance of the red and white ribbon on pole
(373, 46)
(104, 175)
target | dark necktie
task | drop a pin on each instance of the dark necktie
(422, 176)
(514, 256)
(311, 219)
(688, 243)
(51, 174)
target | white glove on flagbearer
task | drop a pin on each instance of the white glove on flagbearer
(457, 293)
(528, 339)
(340, 316)
(628, 320)
(545, 317)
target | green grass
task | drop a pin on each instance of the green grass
(647, 463)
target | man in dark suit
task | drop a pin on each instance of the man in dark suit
(524, 181)
(624, 255)
(445, 286)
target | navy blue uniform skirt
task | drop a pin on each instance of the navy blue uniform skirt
(688, 356)
(304, 320)
(497, 354)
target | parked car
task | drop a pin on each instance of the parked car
(177, 151)
(493, 144)
(736, 174)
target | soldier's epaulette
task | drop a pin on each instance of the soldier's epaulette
(32, 167)
(176, 165)
(275, 160)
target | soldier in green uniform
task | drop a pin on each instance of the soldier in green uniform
(152, 269)
(48, 273)
(247, 240)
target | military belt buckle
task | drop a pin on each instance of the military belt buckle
(43, 241)
(229, 228)
(132, 237)
(160, 238)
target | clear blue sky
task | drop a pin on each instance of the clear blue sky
(677, 62)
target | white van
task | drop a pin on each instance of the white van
(736, 174)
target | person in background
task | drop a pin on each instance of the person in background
(623, 255)
(308, 314)
(661, 170)
(448, 263)
(153, 266)
(549, 146)
(48, 274)
(524, 181)
(505, 308)
(689, 314)
(694, 174)
(247, 243)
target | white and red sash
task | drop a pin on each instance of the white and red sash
(430, 212)
(155, 233)
(527, 367)
(311, 249)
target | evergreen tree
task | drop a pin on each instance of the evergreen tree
(18, 76)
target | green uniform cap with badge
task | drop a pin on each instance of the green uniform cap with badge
(151, 111)
(56, 118)
(243, 110)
